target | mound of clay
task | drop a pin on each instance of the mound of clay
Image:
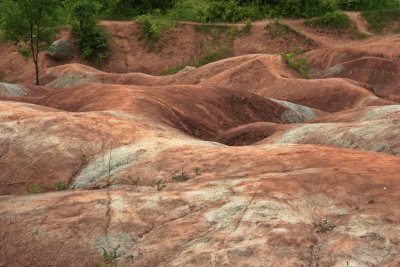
(272, 205)
(375, 63)
(265, 75)
(18, 90)
(376, 130)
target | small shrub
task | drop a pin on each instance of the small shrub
(246, 30)
(152, 27)
(36, 189)
(59, 186)
(110, 258)
(298, 62)
(181, 177)
(92, 40)
(324, 226)
(150, 30)
(378, 20)
(334, 20)
(161, 185)
(84, 158)
(197, 171)
(93, 44)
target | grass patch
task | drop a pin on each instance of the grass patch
(36, 189)
(298, 62)
(60, 186)
(334, 20)
(378, 20)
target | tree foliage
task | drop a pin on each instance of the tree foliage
(31, 25)
(92, 40)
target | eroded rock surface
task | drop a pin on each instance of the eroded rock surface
(241, 162)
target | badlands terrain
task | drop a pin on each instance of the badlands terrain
(241, 162)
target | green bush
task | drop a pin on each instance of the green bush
(60, 185)
(298, 62)
(378, 20)
(233, 11)
(334, 20)
(192, 10)
(93, 44)
(152, 27)
(150, 30)
(92, 40)
(127, 9)
(110, 258)
(36, 189)
(366, 4)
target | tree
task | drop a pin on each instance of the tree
(31, 25)
(92, 40)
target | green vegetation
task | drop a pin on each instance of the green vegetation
(92, 40)
(110, 258)
(324, 226)
(60, 186)
(182, 176)
(197, 171)
(31, 25)
(36, 189)
(378, 20)
(84, 158)
(334, 20)
(298, 62)
(231, 10)
(152, 27)
(161, 184)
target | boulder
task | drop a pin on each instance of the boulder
(61, 50)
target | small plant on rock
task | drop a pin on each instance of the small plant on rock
(110, 258)
(84, 158)
(161, 185)
(324, 226)
(60, 185)
(36, 189)
(182, 176)
(197, 171)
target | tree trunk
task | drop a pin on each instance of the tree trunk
(37, 72)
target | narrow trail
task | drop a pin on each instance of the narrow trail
(359, 22)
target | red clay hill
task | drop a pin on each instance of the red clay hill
(240, 162)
